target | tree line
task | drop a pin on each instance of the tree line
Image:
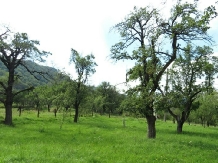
(173, 47)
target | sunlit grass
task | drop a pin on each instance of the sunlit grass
(102, 139)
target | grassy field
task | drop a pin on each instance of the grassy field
(102, 140)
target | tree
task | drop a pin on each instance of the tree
(208, 110)
(187, 71)
(20, 101)
(15, 49)
(62, 96)
(37, 99)
(146, 27)
(111, 98)
(85, 66)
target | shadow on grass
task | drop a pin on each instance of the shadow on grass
(210, 135)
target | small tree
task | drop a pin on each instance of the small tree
(186, 72)
(111, 98)
(208, 110)
(85, 66)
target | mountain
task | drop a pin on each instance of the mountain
(25, 79)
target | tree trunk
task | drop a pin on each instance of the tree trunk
(8, 114)
(208, 124)
(19, 109)
(38, 112)
(55, 112)
(8, 106)
(151, 126)
(165, 117)
(76, 114)
(9, 98)
(179, 126)
(48, 107)
(37, 107)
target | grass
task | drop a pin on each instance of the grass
(102, 140)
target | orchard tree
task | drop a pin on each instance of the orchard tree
(62, 95)
(47, 94)
(15, 49)
(84, 66)
(187, 74)
(111, 98)
(208, 110)
(144, 31)
(37, 99)
(21, 101)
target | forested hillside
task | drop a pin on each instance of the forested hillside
(24, 78)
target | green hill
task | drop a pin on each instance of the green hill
(25, 79)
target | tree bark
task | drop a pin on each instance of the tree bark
(48, 107)
(76, 114)
(38, 112)
(8, 114)
(151, 126)
(179, 126)
(8, 102)
(55, 112)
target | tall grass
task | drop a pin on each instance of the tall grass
(101, 139)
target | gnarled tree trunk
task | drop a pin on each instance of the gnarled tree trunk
(9, 100)
(151, 119)
(8, 113)
(179, 126)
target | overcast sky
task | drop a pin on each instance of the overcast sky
(84, 25)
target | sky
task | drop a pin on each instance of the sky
(83, 25)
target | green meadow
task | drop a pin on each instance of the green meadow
(100, 139)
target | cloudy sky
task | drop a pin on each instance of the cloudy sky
(84, 25)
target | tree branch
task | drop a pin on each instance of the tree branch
(27, 89)
(4, 33)
(3, 85)
(174, 115)
(32, 72)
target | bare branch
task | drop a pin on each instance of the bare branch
(27, 89)
(3, 85)
(5, 33)
(33, 72)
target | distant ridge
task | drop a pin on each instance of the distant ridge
(25, 79)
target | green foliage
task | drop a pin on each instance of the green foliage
(208, 110)
(85, 66)
(190, 67)
(186, 71)
(145, 29)
(109, 97)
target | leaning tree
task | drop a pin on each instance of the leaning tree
(15, 49)
(144, 32)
